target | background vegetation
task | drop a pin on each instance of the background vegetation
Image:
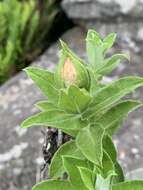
(24, 25)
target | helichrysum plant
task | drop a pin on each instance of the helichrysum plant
(79, 104)
(23, 28)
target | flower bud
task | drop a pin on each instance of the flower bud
(68, 72)
(71, 70)
(74, 72)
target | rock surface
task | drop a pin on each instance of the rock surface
(20, 150)
(99, 9)
(121, 16)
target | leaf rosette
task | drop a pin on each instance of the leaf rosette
(82, 106)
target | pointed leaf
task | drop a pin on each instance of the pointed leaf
(65, 102)
(54, 118)
(103, 183)
(112, 93)
(68, 149)
(109, 147)
(46, 106)
(94, 49)
(111, 63)
(89, 141)
(120, 175)
(118, 113)
(71, 165)
(71, 132)
(45, 81)
(107, 166)
(111, 130)
(95, 85)
(109, 41)
(53, 185)
(68, 51)
(108, 68)
(75, 100)
(86, 176)
(94, 36)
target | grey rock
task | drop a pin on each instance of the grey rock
(99, 9)
(124, 29)
(135, 174)
(120, 16)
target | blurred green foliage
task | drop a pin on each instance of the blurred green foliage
(24, 25)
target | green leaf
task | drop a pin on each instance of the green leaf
(58, 119)
(69, 149)
(111, 63)
(71, 132)
(130, 185)
(103, 183)
(110, 131)
(110, 94)
(46, 106)
(108, 68)
(45, 81)
(120, 175)
(53, 185)
(89, 141)
(107, 166)
(109, 41)
(109, 147)
(71, 165)
(95, 85)
(94, 36)
(117, 113)
(86, 176)
(94, 48)
(75, 100)
(69, 52)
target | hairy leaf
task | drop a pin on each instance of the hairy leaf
(71, 165)
(45, 81)
(108, 168)
(75, 100)
(87, 177)
(117, 113)
(46, 106)
(53, 185)
(109, 41)
(110, 94)
(111, 63)
(54, 118)
(89, 141)
(68, 149)
(109, 147)
(69, 52)
(120, 175)
(103, 183)
(94, 48)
